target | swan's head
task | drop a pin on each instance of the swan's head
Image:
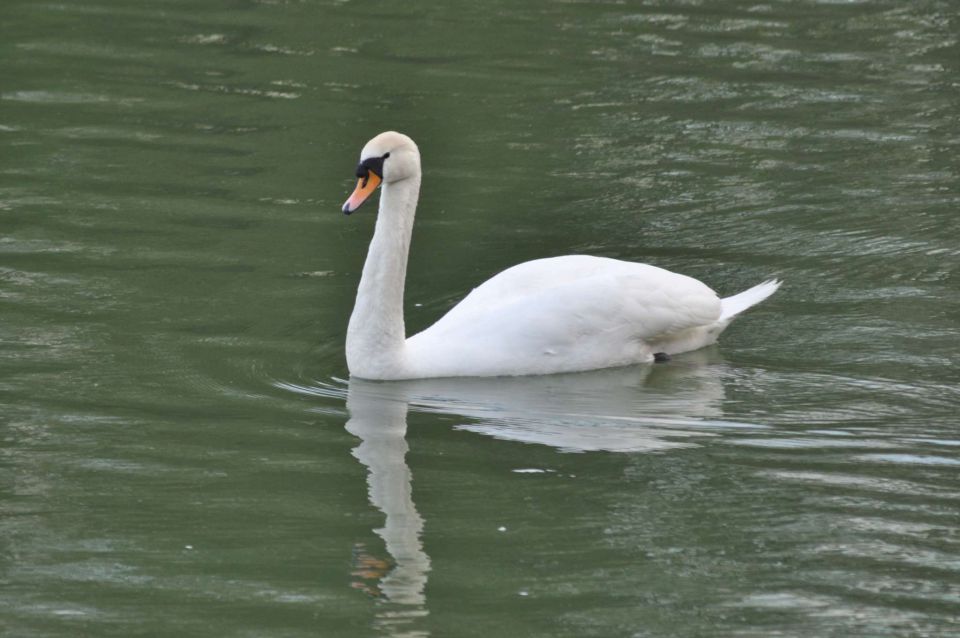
(389, 157)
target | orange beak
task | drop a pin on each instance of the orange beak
(365, 187)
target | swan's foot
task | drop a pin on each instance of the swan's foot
(660, 357)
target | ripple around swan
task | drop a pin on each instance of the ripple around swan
(625, 410)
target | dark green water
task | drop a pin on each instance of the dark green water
(175, 281)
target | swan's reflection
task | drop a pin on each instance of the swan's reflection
(379, 420)
(636, 409)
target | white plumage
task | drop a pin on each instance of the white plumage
(560, 314)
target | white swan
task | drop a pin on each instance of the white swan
(561, 314)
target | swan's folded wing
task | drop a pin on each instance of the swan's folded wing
(631, 305)
(669, 304)
(635, 303)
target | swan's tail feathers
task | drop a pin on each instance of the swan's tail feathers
(733, 306)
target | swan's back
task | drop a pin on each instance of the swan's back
(540, 275)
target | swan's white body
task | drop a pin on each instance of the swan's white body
(561, 314)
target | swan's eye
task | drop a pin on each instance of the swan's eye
(374, 164)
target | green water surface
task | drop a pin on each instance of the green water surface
(183, 453)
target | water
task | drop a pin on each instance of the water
(182, 453)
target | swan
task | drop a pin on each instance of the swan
(558, 314)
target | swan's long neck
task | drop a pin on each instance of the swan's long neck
(376, 334)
